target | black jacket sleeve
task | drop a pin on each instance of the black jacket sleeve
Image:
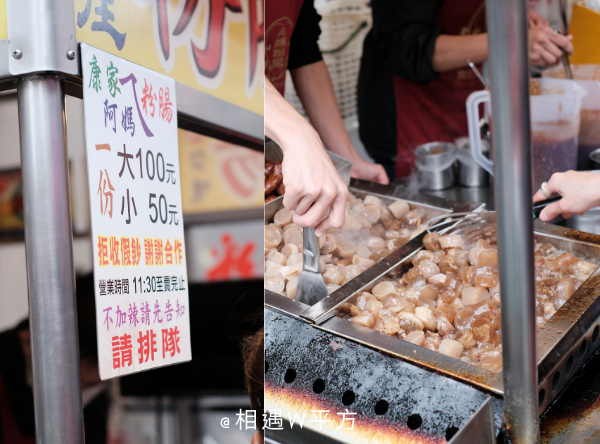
(304, 49)
(405, 32)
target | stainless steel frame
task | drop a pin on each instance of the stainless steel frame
(480, 428)
(197, 111)
(50, 273)
(4, 63)
(41, 41)
(564, 342)
(432, 206)
(223, 216)
(286, 306)
(200, 112)
(507, 24)
(40, 34)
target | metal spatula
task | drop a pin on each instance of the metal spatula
(310, 288)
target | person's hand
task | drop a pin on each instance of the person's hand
(536, 20)
(312, 184)
(368, 171)
(546, 46)
(580, 191)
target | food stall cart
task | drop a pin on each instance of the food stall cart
(40, 58)
(317, 361)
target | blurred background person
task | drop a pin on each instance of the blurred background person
(414, 78)
(253, 350)
(17, 421)
(312, 185)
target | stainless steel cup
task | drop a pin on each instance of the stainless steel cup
(589, 222)
(435, 164)
(470, 173)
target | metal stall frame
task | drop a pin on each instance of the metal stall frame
(509, 63)
(41, 60)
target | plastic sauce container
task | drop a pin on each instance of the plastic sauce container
(586, 76)
(555, 122)
(555, 106)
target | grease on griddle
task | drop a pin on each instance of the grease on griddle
(578, 403)
(582, 236)
(336, 344)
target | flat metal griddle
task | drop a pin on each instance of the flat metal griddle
(308, 370)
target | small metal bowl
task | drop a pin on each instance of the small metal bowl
(435, 164)
(595, 158)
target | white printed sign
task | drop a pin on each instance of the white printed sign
(137, 225)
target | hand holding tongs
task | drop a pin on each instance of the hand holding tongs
(311, 287)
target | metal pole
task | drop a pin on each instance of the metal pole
(509, 63)
(50, 275)
(185, 420)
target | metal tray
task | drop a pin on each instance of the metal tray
(433, 206)
(563, 343)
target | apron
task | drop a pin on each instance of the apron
(436, 112)
(280, 21)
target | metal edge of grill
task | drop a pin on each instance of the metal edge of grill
(284, 305)
(308, 368)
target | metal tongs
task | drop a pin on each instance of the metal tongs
(475, 225)
(311, 287)
(564, 60)
(566, 65)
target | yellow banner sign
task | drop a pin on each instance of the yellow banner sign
(3, 20)
(218, 176)
(216, 46)
(585, 31)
